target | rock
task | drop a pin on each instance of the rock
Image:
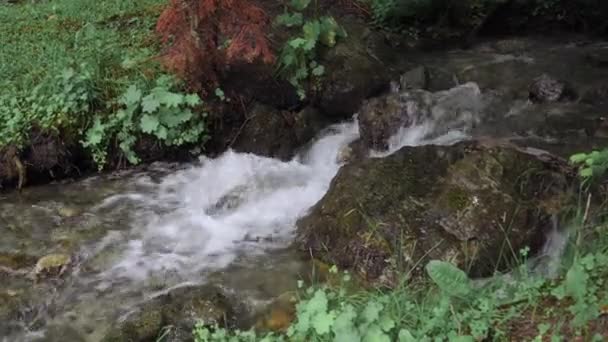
(382, 117)
(281, 314)
(598, 57)
(273, 133)
(547, 89)
(61, 333)
(16, 261)
(440, 79)
(180, 309)
(354, 72)
(52, 266)
(463, 203)
(417, 78)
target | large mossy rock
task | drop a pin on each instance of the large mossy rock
(470, 204)
(180, 310)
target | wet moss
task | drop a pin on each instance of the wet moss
(456, 199)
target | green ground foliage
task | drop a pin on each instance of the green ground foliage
(67, 65)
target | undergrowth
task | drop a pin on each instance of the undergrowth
(534, 302)
(451, 308)
(87, 71)
(297, 61)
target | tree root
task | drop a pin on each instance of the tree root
(21, 172)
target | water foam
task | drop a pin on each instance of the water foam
(204, 216)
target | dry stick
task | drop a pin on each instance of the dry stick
(585, 217)
(247, 119)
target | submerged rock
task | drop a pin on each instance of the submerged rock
(472, 205)
(547, 89)
(180, 309)
(52, 265)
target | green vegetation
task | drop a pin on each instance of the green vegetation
(297, 60)
(536, 301)
(454, 308)
(74, 68)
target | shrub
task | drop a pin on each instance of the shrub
(203, 37)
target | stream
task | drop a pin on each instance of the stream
(227, 221)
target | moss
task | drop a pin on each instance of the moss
(145, 326)
(16, 261)
(455, 199)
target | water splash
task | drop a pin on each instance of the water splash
(207, 214)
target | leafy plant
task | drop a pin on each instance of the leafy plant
(297, 59)
(592, 165)
(161, 112)
(59, 102)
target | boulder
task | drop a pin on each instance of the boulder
(273, 133)
(548, 89)
(355, 71)
(470, 204)
(382, 117)
(180, 309)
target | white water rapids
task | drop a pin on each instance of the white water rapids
(237, 203)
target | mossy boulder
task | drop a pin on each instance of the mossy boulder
(471, 204)
(180, 309)
(355, 70)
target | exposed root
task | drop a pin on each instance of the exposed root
(21, 172)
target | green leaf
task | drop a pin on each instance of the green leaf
(148, 123)
(290, 20)
(578, 158)
(192, 100)
(586, 172)
(300, 5)
(150, 104)
(449, 278)
(322, 322)
(371, 313)
(318, 71)
(297, 42)
(576, 281)
(312, 30)
(95, 134)
(344, 326)
(131, 96)
(173, 118)
(375, 334)
(168, 98)
(161, 132)
(406, 336)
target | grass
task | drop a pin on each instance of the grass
(64, 61)
(447, 306)
(40, 40)
(86, 72)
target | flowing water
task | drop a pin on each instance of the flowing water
(139, 234)
(136, 234)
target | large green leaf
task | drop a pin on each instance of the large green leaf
(148, 123)
(449, 278)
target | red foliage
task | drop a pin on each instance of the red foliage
(203, 37)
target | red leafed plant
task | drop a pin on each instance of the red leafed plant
(203, 37)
